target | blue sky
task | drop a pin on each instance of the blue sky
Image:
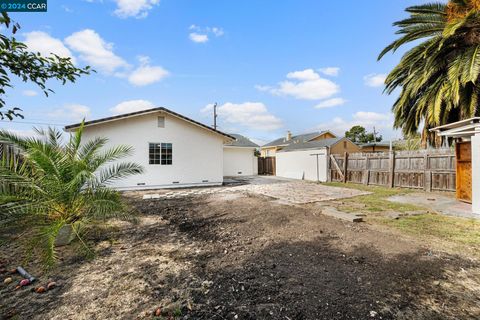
(272, 66)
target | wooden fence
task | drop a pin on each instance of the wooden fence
(429, 170)
(266, 166)
(8, 153)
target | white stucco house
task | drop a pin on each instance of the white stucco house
(239, 157)
(309, 160)
(174, 150)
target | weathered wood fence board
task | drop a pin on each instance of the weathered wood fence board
(429, 170)
(266, 166)
(7, 154)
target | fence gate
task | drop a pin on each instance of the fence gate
(266, 166)
(464, 171)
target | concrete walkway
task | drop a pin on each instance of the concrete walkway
(440, 203)
(285, 190)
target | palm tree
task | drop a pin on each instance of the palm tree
(438, 77)
(55, 189)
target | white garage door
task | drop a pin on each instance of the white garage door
(239, 162)
(303, 165)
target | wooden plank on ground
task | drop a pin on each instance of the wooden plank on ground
(332, 212)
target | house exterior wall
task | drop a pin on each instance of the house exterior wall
(268, 152)
(323, 136)
(376, 149)
(475, 145)
(343, 146)
(197, 153)
(272, 151)
(302, 164)
(238, 161)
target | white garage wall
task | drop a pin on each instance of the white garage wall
(197, 152)
(238, 161)
(302, 165)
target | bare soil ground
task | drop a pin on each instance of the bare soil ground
(240, 256)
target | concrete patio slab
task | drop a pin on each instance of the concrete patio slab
(301, 192)
(286, 190)
(440, 203)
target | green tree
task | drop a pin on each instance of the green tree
(410, 143)
(15, 59)
(359, 134)
(59, 188)
(438, 77)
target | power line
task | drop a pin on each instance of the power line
(33, 122)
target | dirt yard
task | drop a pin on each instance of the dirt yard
(239, 255)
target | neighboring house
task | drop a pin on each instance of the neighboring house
(239, 157)
(271, 148)
(383, 146)
(174, 150)
(308, 160)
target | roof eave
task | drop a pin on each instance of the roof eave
(72, 127)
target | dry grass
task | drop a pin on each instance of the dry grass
(376, 202)
(459, 230)
(455, 232)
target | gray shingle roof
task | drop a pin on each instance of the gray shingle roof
(375, 144)
(295, 139)
(311, 145)
(241, 141)
(137, 113)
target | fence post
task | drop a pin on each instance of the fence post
(392, 169)
(366, 177)
(329, 166)
(427, 174)
(345, 167)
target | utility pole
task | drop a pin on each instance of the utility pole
(215, 116)
(374, 135)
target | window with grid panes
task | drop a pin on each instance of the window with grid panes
(160, 153)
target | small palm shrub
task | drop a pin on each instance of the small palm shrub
(57, 188)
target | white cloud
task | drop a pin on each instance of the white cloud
(146, 74)
(198, 38)
(330, 71)
(263, 88)
(307, 85)
(366, 119)
(95, 51)
(375, 80)
(252, 115)
(29, 93)
(39, 41)
(305, 75)
(134, 8)
(71, 112)
(371, 117)
(330, 103)
(218, 32)
(200, 34)
(132, 106)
